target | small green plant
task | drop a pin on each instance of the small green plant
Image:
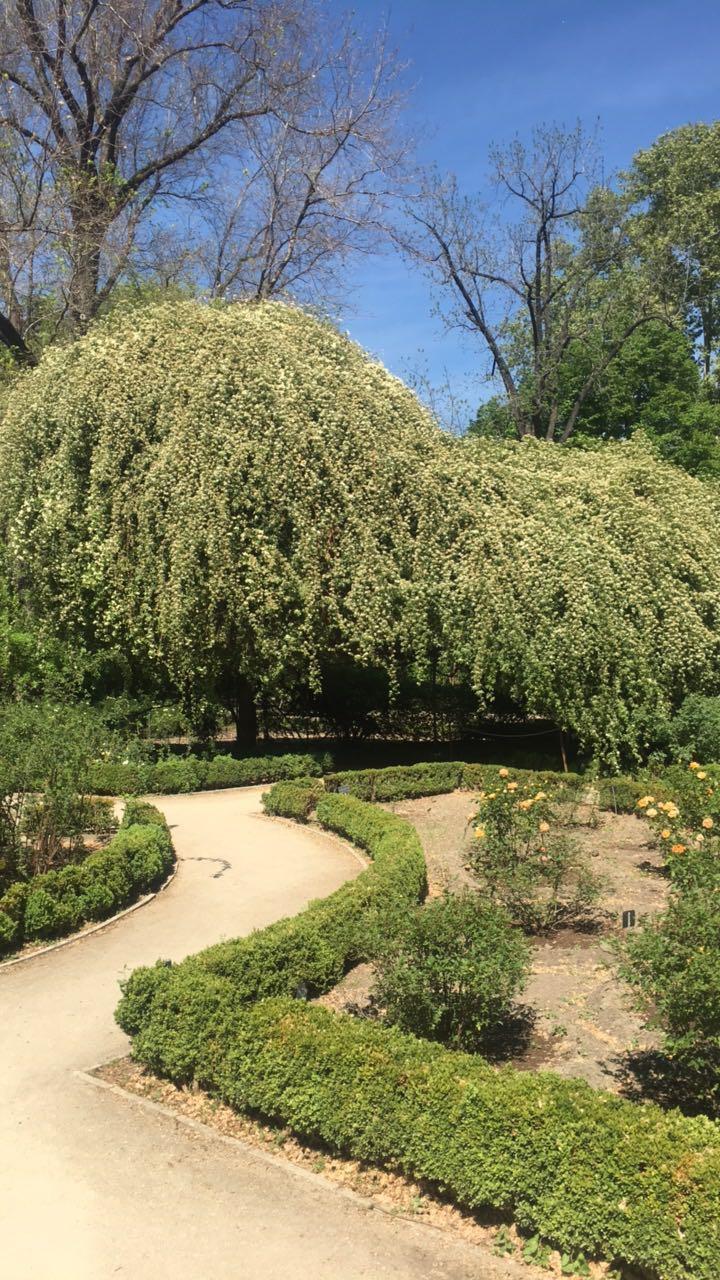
(537, 1252)
(527, 864)
(450, 970)
(574, 1265)
(504, 1245)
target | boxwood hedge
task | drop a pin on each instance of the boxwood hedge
(191, 773)
(587, 1171)
(135, 861)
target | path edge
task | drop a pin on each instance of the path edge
(94, 928)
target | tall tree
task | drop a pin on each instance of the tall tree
(676, 185)
(115, 111)
(553, 266)
(316, 181)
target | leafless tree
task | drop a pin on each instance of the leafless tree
(315, 179)
(551, 267)
(115, 101)
(268, 126)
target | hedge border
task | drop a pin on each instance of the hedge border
(58, 903)
(185, 774)
(586, 1170)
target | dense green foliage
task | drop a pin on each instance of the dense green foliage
(579, 1167)
(694, 732)
(674, 960)
(238, 497)
(586, 593)
(582, 1168)
(653, 386)
(451, 970)
(676, 185)
(135, 861)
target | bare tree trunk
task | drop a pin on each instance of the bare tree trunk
(85, 278)
(244, 713)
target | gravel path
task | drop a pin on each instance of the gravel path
(95, 1185)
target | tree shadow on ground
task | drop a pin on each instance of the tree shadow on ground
(649, 1075)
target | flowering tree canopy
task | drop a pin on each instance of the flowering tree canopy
(584, 585)
(238, 492)
(232, 491)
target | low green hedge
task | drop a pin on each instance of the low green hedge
(587, 1171)
(410, 781)
(295, 799)
(178, 774)
(135, 861)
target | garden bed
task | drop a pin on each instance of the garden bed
(578, 1168)
(60, 902)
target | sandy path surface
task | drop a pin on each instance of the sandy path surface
(92, 1184)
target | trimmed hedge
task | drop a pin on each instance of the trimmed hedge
(585, 1170)
(135, 861)
(179, 774)
(293, 799)
(407, 782)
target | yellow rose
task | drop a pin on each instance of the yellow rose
(480, 832)
(544, 826)
(644, 801)
(512, 786)
(694, 765)
(503, 773)
(678, 848)
(652, 813)
(708, 823)
(701, 775)
(665, 833)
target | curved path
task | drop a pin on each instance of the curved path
(92, 1184)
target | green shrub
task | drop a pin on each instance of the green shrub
(694, 731)
(620, 794)
(674, 963)
(98, 815)
(180, 774)
(45, 754)
(109, 778)
(451, 970)
(397, 782)
(580, 1167)
(293, 799)
(12, 914)
(177, 775)
(525, 863)
(50, 905)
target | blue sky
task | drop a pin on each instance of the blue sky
(483, 72)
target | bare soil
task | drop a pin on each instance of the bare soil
(577, 1014)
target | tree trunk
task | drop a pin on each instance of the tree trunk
(15, 343)
(244, 713)
(87, 236)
